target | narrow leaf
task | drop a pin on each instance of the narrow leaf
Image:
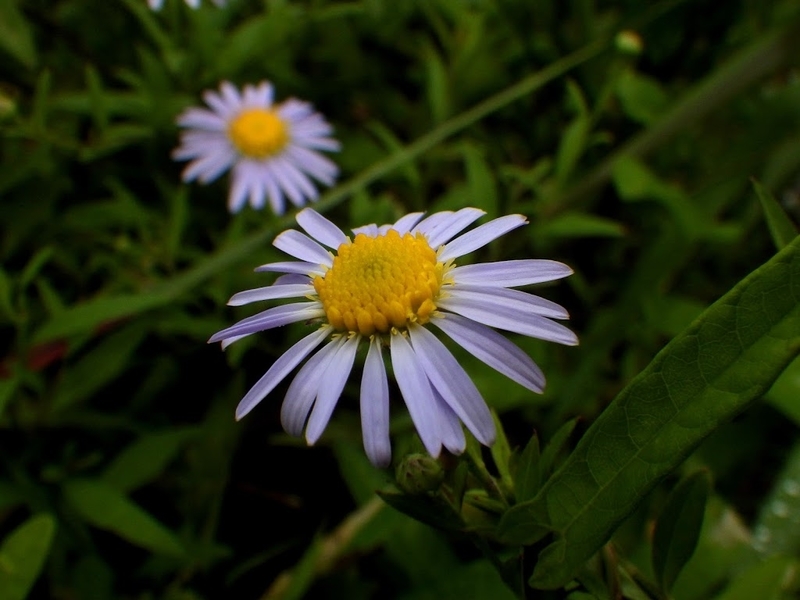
(728, 358)
(22, 556)
(678, 528)
(527, 479)
(780, 225)
(109, 509)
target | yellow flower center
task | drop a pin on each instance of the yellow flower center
(258, 132)
(377, 283)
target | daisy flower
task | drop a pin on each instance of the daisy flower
(157, 4)
(270, 148)
(387, 287)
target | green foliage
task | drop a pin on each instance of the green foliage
(653, 147)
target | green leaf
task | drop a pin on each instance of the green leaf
(785, 391)
(302, 576)
(480, 180)
(85, 317)
(501, 453)
(527, 479)
(15, 34)
(429, 509)
(642, 97)
(728, 358)
(678, 528)
(98, 367)
(146, 458)
(437, 86)
(763, 581)
(776, 530)
(109, 509)
(780, 225)
(579, 225)
(474, 580)
(573, 143)
(22, 556)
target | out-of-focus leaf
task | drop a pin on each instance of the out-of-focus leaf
(705, 376)
(428, 509)
(292, 585)
(437, 85)
(146, 458)
(763, 581)
(571, 147)
(776, 530)
(642, 97)
(87, 316)
(480, 181)
(22, 556)
(109, 509)
(7, 389)
(785, 392)
(475, 580)
(780, 226)
(35, 264)
(579, 225)
(98, 367)
(678, 527)
(501, 453)
(15, 34)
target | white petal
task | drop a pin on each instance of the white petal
(453, 383)
(489, 297)
(280, 369)
(201, 118)
(510, 319)
(299, 268)
(494, 349)
(417, 393)
(315, 164)
(299, 245)
(445, 230)
(271, 318)
(335, 377)
(320, 228)
(375, 407)
(510, 273)
(406, 222)
(271, 292)
(304, 389)
(480, 236)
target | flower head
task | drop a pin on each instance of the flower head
(157, 4)
(385, 287)
(271, 148)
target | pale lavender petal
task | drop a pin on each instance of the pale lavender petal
(299, 183)
(451, 431)
(375, 407)
(237, 195)
(404, 224)
(305, 387)
(444, 231)
(320, 228)
(202, 118)
(215, 101)
(228, 341)
(299, 245)
(271, 292)
(453, 383)
(510, 273)
(432, 221)
(480, 236)
(271, 318)
(299, 268)
(370, 230)
(510, 319)
(488, 297)
(417, 393)
(231, 95)
(280, 369)
(315, 164)
(292, 279)
(494, 349)
(336, 374)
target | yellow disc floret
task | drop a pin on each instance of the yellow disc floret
(258, 132)
(379, 283)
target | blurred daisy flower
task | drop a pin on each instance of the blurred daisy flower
(157, 4)
(386, 287)
(270, 148)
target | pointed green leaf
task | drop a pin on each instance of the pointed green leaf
(146, 458)
(429, 509)
(780, 225)
(527, 479)
(763, 580)
(107, 508)
(15, 34)
(725, 360)
(678, 528)
(22, 556)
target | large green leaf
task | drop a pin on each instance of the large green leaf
(107, 508)
(720, 364)
(22, 556)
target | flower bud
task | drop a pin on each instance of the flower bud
(419, 473)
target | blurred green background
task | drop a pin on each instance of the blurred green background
(628, 133)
